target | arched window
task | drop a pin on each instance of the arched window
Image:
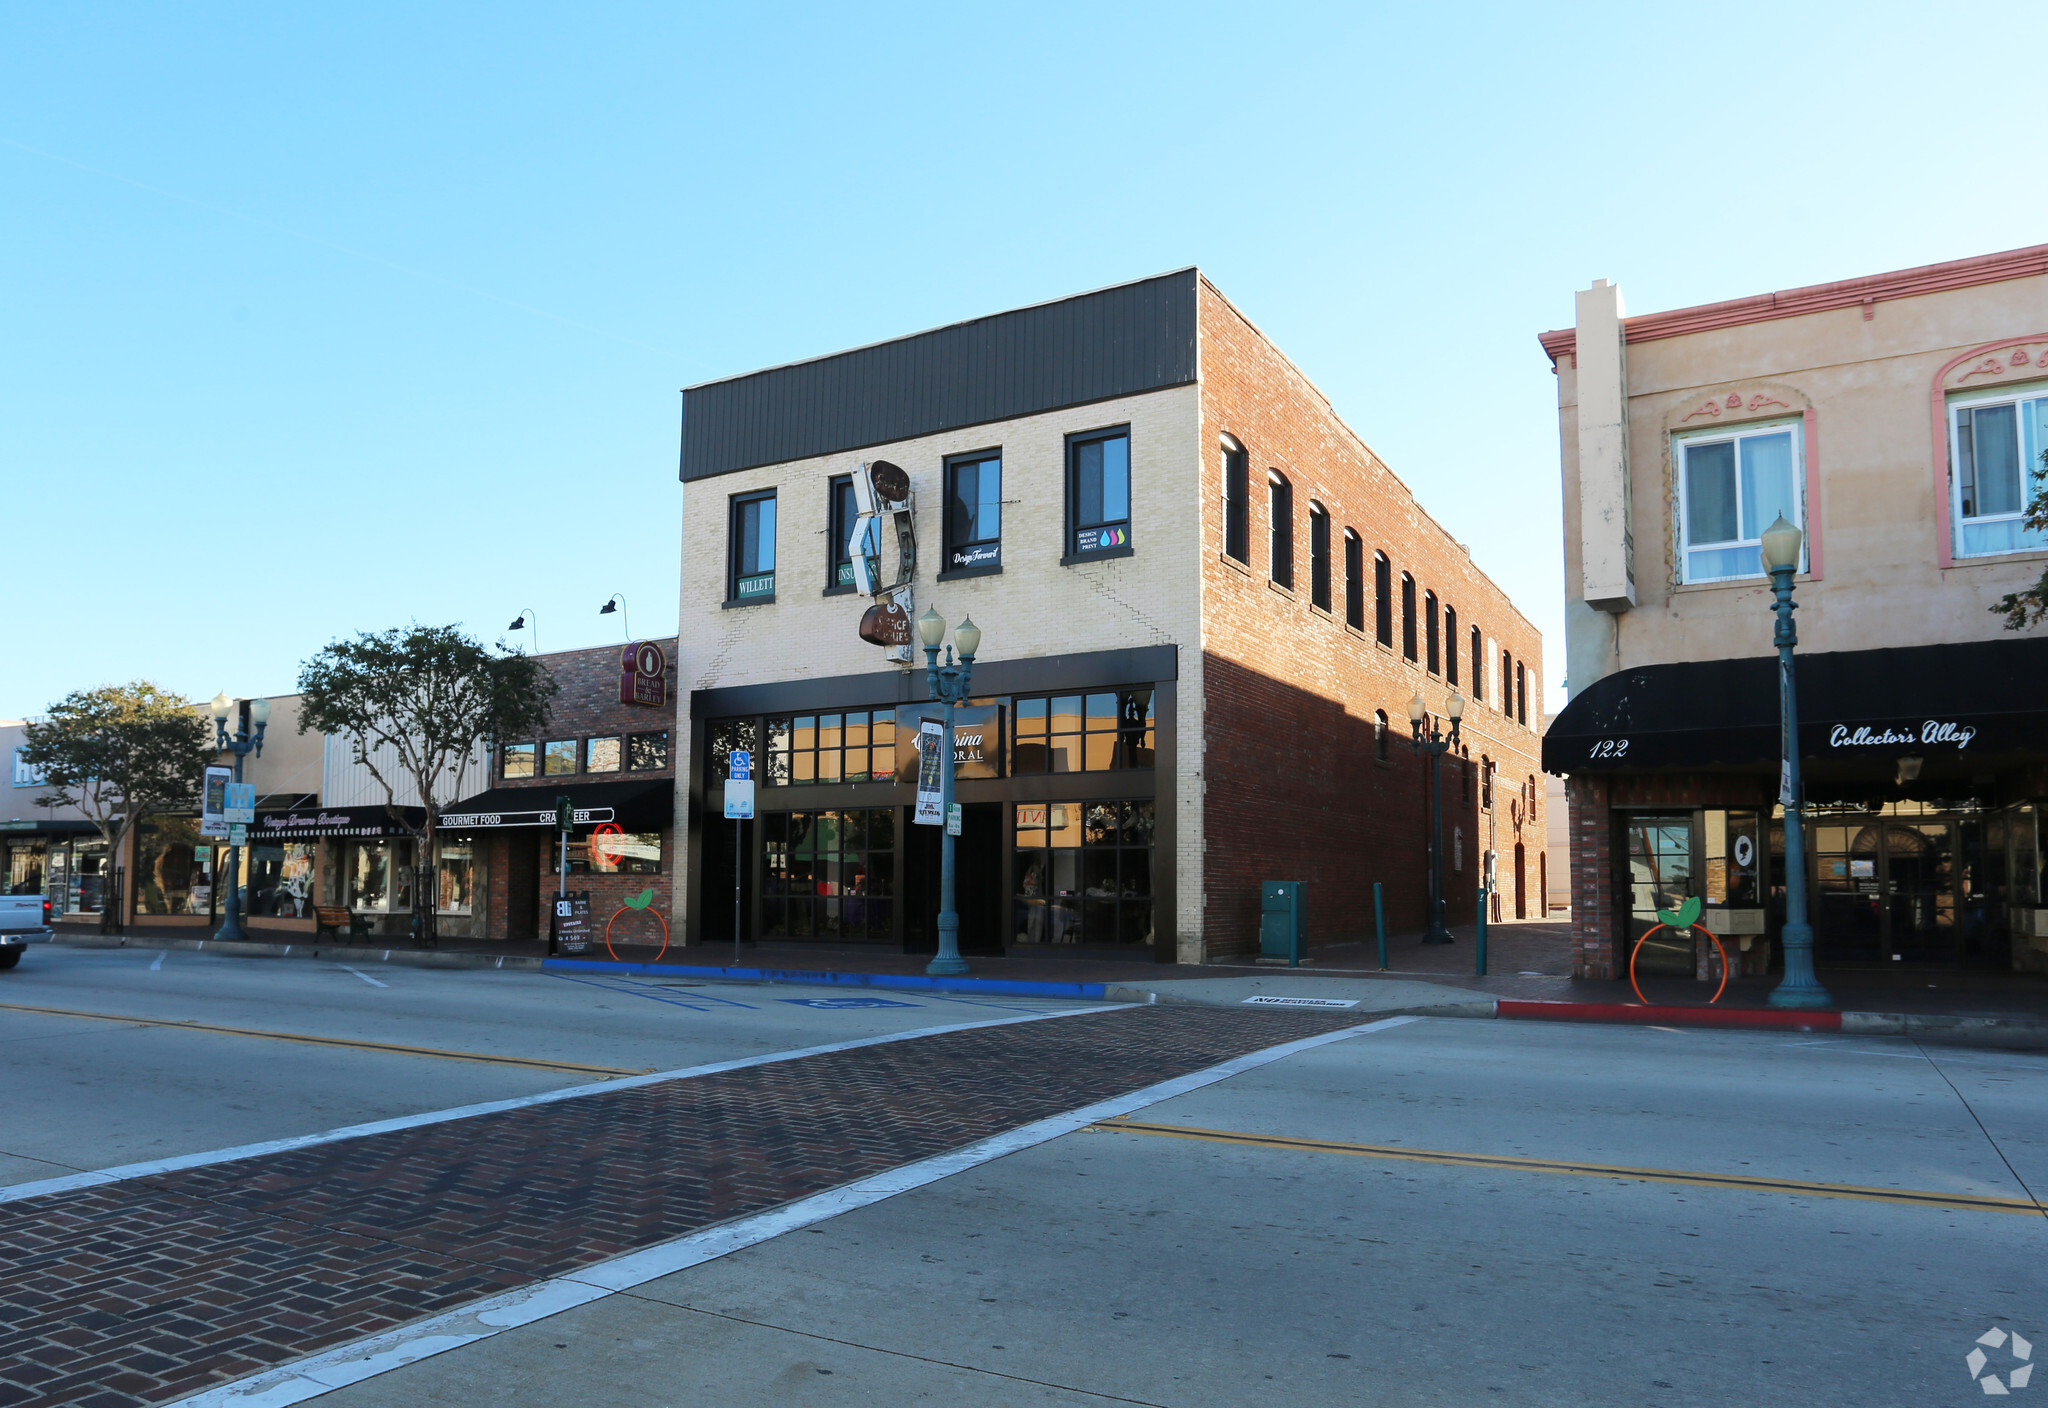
(1407, 615)
(1354, 581)
(1237, 502)
(1507, 683)
(1478, 665)
(1521, 694)
(1318, 555)
(1432, 648)
(1379, 734)
(1383, 598)
(1450, 644)
(1465, 787)
(1280, 500)
(1485, 782)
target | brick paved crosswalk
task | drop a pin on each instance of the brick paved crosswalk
(148, 1290)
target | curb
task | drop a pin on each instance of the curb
(1968, 1031)
(900, 982)
(417, 958)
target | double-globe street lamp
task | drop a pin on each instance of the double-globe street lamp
(1433, 742)
(947, 683)
(1799, 988)
(242, 743)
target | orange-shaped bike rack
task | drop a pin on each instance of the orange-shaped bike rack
(615, 919)
(1646, 938)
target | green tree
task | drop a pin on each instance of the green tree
(119, 753)
(2030, 607)
(415, 703)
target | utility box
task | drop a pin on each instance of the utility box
(1283, 922)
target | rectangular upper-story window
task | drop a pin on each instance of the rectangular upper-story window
(751, 571)
(1997, 444)
(845, 513)
(1099, 494)
(1732, 485)
(974, 512)
(519, 759)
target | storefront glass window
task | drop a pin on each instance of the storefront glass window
(1099, 732)
(740, 735)
(1084, 873)
(1660, 877)
(623, 852)
(25, 867)
(646, 751)
(457, 869)
(558, 758)
(281, 880)
(379, 876)
(519, 759)
(829, 875)
(88, 876)
(604, 754)
(163, 866)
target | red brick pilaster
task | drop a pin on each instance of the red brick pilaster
(1595, 925)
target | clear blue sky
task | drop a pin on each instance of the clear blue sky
(324, 319)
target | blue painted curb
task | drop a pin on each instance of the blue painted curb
(901, 982)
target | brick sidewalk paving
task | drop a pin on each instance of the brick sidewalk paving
(139, 1292)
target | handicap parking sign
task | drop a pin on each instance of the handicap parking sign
(844, 1002)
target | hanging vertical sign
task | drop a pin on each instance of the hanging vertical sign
(213, 802)
(931, 757)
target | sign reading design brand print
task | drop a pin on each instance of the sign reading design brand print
(1932, 731)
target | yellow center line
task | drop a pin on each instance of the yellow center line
(1971, 1202)
(574, 1067)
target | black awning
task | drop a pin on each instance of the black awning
(1970, 700)
(315, 823)
(639, 804)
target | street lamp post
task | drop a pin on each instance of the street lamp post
(242, 743)
(1433, 742)
(947, 682)
(1799, 988)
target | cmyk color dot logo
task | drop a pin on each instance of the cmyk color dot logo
(2019, 1353)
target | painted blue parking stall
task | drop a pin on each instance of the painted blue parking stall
(835, 1003)
(903, 982)
(693, 1001)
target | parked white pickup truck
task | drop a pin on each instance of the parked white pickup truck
(24, 919)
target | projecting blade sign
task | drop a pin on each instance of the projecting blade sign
(883, 499)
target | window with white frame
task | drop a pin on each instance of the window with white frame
(1733, 484)
(1996, 444)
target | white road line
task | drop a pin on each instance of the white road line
(394, 1349)
(373, 982)
(158, 964)
(125, 1172)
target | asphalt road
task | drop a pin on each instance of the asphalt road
(87, 1094)
(1126, 1265)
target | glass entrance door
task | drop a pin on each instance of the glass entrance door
(1921, 891)
(1660, 876)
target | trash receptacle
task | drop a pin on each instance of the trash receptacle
(1283, 922)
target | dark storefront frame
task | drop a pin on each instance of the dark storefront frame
(1153, 667)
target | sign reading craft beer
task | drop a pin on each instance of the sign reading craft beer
(643, 674)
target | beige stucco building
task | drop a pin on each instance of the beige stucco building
(1900, 420)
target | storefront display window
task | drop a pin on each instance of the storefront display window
(1084, 873)
(829, 875)
(379, 876)
(858, 745)
(88, 881)
(624, 852)
(604, 754)
(168, 879)
(281, 880)
(1660, 872)
(25, 867)
(457, 867)
(1099, 732)
(740, 735)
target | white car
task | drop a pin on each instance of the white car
(24, 920)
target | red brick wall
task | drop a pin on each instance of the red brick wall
(1596, 919)
(1291, 786)
(587, 705)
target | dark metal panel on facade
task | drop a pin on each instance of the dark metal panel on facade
(1114, 342)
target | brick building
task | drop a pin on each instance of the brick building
(606, 748)
(1206, 603)
(1899, 420)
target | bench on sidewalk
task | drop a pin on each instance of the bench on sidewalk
(338, 918)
